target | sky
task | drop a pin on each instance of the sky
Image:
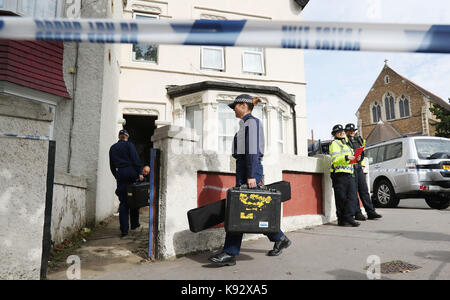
(338, 81)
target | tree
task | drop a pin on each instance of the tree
(443, 115)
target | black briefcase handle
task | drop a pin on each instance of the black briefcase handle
(258, 186)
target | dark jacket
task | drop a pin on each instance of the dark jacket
(124, 161)
(355, 143)
(248, 144)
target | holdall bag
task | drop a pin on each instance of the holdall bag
(138, 194)
(206, 216)
(253, 210)
(209, 215)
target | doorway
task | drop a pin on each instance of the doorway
(141, 129)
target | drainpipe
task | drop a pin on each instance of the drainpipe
(294, 117)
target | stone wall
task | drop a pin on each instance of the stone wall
(69, 206)
(23, 186)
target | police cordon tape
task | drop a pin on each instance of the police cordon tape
(410, 170)
(28, 137)
(432, 38)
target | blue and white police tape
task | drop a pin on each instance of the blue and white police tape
(409, 170)
(28, 137)
(432, 38)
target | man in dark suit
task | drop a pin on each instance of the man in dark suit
(126, 168)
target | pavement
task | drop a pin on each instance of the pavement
(411, 233)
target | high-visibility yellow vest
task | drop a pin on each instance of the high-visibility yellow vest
(338, 150)
(363, 162)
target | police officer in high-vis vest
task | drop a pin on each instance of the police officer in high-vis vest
(342, 177)
(248, 150)
(360, 179)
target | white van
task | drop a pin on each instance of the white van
(410, 167)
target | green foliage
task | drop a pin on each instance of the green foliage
(443, 126)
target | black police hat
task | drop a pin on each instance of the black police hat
(350, 127)
(337, 128)
(125, 132)
(243, 98)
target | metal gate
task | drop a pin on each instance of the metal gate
(154, 204)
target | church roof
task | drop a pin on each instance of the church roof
(382, 132)
(432, 97)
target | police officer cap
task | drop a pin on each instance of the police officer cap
(243, 98)
(350, 127)
(337, 128)
(125, 132)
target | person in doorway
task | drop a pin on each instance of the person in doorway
(342, 177)
(360, 179)
(146, 173)
(125, 166)
(248, 150)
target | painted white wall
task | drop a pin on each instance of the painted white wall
(143, 84)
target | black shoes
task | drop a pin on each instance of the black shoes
(373, 215)
(349, 222)
(123, 234)
(360, 217)
(136, 227)
(283, 243)
(223, 259)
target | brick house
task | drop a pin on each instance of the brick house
(399, 102)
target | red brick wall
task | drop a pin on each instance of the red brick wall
(306, 194)
(33, 64)
(212, 187)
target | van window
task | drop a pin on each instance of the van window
(381, 154)
(393, 151)
(432, 148)
(371, 154)
(376, 155)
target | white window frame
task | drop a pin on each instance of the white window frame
(15, 7)
(220, 135)
(133, 53)
(387, 79)
(280, 134)
(253, 52)
(222, 62)
(199, 143)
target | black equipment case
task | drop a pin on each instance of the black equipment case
(208, 215)
(138, 194)
(253, 210)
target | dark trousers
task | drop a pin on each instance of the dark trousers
(233, 241)
(126, 176)
(344, 193)
(363, 191)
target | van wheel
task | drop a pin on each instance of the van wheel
(437, 202)
(384, 195)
